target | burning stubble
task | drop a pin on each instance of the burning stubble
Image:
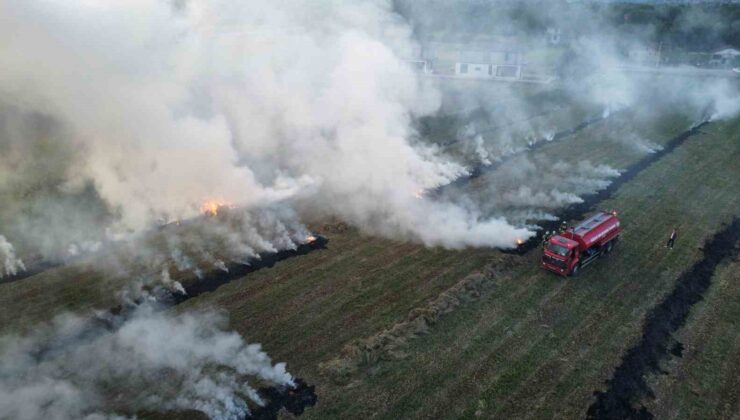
(77, 367)
(201, 135)
(10, 264)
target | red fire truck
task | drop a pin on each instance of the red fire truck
(568, 252)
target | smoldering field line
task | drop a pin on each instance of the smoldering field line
(294, 397)
(146, 360)
(342, 367)
(483, 168)
(215, 278)
(124, 348)
(24, 271)
(498, 127)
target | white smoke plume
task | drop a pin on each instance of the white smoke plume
(526, 189)
(246, 102)
(73, 368)
(10, 263)
(506, 122)
(639, 144)
(43, 212)
(525, 197)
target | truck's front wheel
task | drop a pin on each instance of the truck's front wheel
(576, 270)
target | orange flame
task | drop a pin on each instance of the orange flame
(519, 242)
(212, 207)
(310, 238)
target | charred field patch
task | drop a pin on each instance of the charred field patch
(32, 270)
(216, 278)
(628, 384)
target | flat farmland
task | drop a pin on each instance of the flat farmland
(538, 345)
(518, 342)
(529, 334)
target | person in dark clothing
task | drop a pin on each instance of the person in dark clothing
(546, 238)
(672, 238)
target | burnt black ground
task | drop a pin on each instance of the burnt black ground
(216, 278)
(627, 384)
(208, 282)
(32, 270)
(295, 400)
(580, 210)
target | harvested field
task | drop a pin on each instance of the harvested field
(627, 385)
(537, 335)
(406, 209)
(702, 381)
(397, 330)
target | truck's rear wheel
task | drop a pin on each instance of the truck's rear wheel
(609, 247)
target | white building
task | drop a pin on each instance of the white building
(492, 64)
(725, 57)
(491, 60)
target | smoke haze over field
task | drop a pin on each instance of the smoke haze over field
(207, 244)
(137, 112)
(120, 119)
(250, 103)
(75, 369)
(151, 107)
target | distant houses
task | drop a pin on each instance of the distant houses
(726, 57)
(501, 59)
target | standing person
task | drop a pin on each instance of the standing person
(672, 238)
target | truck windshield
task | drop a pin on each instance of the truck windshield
(560, 250)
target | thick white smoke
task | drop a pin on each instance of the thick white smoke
(189, 249)
(529, 188)
(10, 264)
(147, 360)
(248, 102)
(72, 369)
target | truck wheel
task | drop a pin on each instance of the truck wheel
(609, 247)
(576, 270)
